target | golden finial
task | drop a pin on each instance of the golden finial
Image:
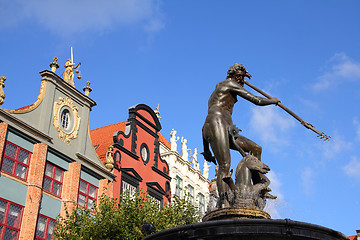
(2, 85)
(54, 65)
(109, 161)
(87, 89)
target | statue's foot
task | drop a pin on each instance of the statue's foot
(223, 201)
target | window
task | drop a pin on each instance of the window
(178, 186)
(201, 204)
(127, 186)
(158, 202)
(10, 219)
(53, 179)
(129, 181)
(191, 193)
(156, 193)
(16, 160)
(45, 227)
(65, 119)
(87, 194)
(144, 153)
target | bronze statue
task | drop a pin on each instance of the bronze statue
(220, 132)
(246, 196)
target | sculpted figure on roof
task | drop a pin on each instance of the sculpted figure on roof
(173, 140)
(69, 71)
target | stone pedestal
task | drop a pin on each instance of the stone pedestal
(249, 229)
(235, 213)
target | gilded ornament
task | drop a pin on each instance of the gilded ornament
(35, 104)
(109, 161)
(73, 119)
(87, 89)
(54, 65)
(2, 85)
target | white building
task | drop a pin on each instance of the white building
(185, 175)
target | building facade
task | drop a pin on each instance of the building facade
(47, 160)
(186, 177)
(135, 149)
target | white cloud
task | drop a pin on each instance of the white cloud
(341, 68)
(270, 125)
(307, 178)
(352, 169)
(273, 206)
(69, 17)
(335, 146)
(357, 128)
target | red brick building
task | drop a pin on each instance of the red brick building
(138, 164)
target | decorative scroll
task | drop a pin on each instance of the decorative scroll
(35, 104)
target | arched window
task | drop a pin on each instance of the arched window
(65, 119)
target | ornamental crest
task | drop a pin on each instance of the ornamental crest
(66, 119)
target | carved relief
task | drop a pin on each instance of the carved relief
(66, 119)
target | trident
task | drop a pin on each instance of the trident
(322, 135)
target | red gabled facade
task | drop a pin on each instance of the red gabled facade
(136, 153)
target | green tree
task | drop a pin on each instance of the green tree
(124, 219)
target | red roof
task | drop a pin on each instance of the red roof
(23, 108)
(164, 141)
(103, 137)
(353, 237)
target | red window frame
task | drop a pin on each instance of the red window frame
(86, 194)
(3, 223)
(53, 180)
(48, 219)
(16, 161)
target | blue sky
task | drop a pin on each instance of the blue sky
(172, 53)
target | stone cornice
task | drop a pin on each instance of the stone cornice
(17, 123)
(183, 162)
(101, 170)
(71, 91)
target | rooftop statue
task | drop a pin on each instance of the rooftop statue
(206, 170)
(173, 140)
(69, 71)
(194, 160)
(184, 149)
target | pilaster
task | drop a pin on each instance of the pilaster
(70, 188)
(33, 197)
(105, 187)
